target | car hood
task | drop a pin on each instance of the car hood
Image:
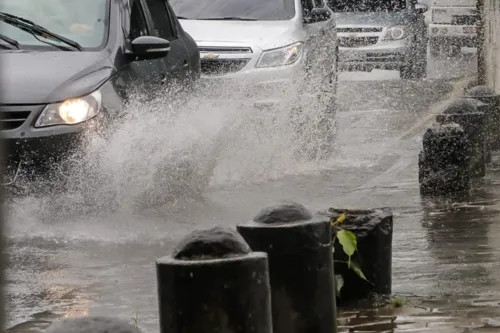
(32, 77)
(370, 19)
(263, 34)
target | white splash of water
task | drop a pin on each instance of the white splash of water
(167, 150)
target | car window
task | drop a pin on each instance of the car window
(83, 21)
(261, 10)
(138, 25)
(161, 19)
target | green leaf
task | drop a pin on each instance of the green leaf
(357, 269)
(348, 241)
(339, 283)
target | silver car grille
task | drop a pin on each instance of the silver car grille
(222, 66)
(220, 60)
(464, 19)
(359, 30)
(357, 41)
(12, 117)
(224, 50)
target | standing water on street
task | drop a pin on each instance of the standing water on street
(255, 120)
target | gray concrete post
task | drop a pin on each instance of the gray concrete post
(214, 283)
(299, 248)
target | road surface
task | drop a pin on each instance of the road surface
(67, 261)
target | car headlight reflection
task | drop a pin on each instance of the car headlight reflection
(395, 33)
(280, 57)
(71, 111)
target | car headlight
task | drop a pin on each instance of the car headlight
(280, 57)
(395, 33)
(71, 111)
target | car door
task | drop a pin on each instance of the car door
(176, 64)
(193, 53)
(146, 75)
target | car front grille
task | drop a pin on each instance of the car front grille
(359, 30)
(228, 49)
(13, 117)
(222, 66)
(464, 20)
(357, 41)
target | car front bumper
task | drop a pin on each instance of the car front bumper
(256, 85)
(38, 146)
(390, 55)
(445, 33)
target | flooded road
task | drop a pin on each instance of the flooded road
(445, 252)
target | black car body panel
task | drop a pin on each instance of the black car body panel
(36, 76)
(49, 77)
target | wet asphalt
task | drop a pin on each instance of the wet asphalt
(445, 251)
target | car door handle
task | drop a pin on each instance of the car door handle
(163, 78)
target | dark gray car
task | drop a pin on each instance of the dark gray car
(65, 73)
(382, 34)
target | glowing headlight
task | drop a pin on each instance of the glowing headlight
(280, 57)
(71, 111)
(395, 33)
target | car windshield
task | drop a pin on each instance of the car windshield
(83, 21)
(367, 5)
(261, 10)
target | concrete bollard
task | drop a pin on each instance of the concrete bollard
(373, 229)
(214, 283)
(492, 100)
(443, 164)
(299, 249)
(92, 324)
(465, 113)
(486, 132)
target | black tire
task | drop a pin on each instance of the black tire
(451, 49)
(435, 48)
(417, 67)
(414, 71)
(420, 66)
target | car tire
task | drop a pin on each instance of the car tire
(420, 66)
(435, 48)
(417, 67)
(451, 49)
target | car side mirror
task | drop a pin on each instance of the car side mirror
(147, 48)
(421, 8)
(318, 15)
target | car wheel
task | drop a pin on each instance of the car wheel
(435, 48)
(451, 49)
(420, 66)
(416, 67)
(405, 72)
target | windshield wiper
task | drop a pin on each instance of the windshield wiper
(35, 29)
(228, 18)
(10, 41)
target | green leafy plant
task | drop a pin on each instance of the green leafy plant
(349, 244)
(398, 302)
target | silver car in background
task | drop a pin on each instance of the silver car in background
(266, 45)
(453, 26)
(382, 34)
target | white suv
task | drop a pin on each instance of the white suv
(268, 45)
